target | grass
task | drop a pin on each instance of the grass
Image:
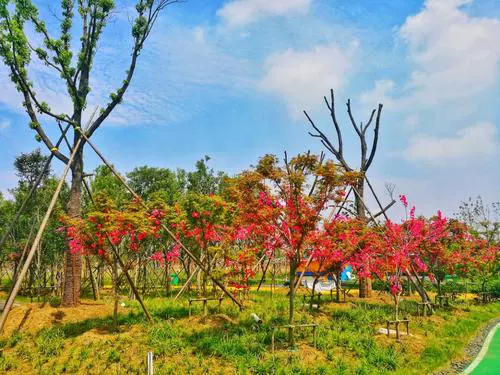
(232, 343)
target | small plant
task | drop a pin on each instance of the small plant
(50, 341)
(114, 356)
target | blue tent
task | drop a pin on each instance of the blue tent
(347, 274)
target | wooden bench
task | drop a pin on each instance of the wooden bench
(396, 324)
(424, 306)
(316, 298)
(291, 327)
(442, 300)
(205, 303)
(485, 297)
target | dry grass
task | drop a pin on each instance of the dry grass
(33, 317)
(80, 340)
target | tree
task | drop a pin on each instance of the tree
(482, 219)
(150, 182)
(105, 183)
(483, 261)
(335, 244)
(109, 230)
(206, 223)
(31, 165)
(205, 180)
(17, 48)
(282, 205)
(447, 241)
(366, 158)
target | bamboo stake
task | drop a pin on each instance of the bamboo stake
(187, 283)
(34, 246)
(376, 198)
(196, 271)
(124, 269)
(31, 191)
(263, 274)
(331, 216)
(165, 228)
(364, 205)
(299, 280)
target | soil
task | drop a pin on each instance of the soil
(32, 317)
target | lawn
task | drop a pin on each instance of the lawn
(44, 339)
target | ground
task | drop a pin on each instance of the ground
(43, 339)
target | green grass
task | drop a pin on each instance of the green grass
(233, 343)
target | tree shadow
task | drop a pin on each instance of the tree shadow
(58, 316)
(24, 319)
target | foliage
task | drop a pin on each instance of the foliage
(30, 166)
(482, 218)
(281, 206)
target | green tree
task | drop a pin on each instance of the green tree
(105, 182)
(18, 45)
(160, 183)
(482, 218)
(30, 166)
(205, 180)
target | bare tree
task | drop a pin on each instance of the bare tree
(481, 217)
(366, 159)
(17, 47)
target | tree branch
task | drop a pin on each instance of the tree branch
(369, 122)
(352, 118)
(326, 142)
(21, 76)
(375, 138)
(331, 107)
(140, 37)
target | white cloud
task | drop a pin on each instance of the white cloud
(4, 125)
(302, 78)
(456, 55)
(412, 121)
(474, 141)
(8, 180)
(244, 12)
(381, 93)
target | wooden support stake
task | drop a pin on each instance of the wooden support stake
(263, 274)
(364, 205)
(125, 271)
(314, 337)
(31, 191)
(299, 280)
(382, 209)
(165, 228)
(36, 241)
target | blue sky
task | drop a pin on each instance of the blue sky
(230, 78)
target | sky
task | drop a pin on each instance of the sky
(230, 79)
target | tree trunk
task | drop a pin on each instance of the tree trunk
(365, 284)
(420, 289)
(168, 281)
(188, 275)
(338, 277)
(291, 312)
(114, 269)
(136, 279)
(365, 287)
(73, 262)
(95, 287)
